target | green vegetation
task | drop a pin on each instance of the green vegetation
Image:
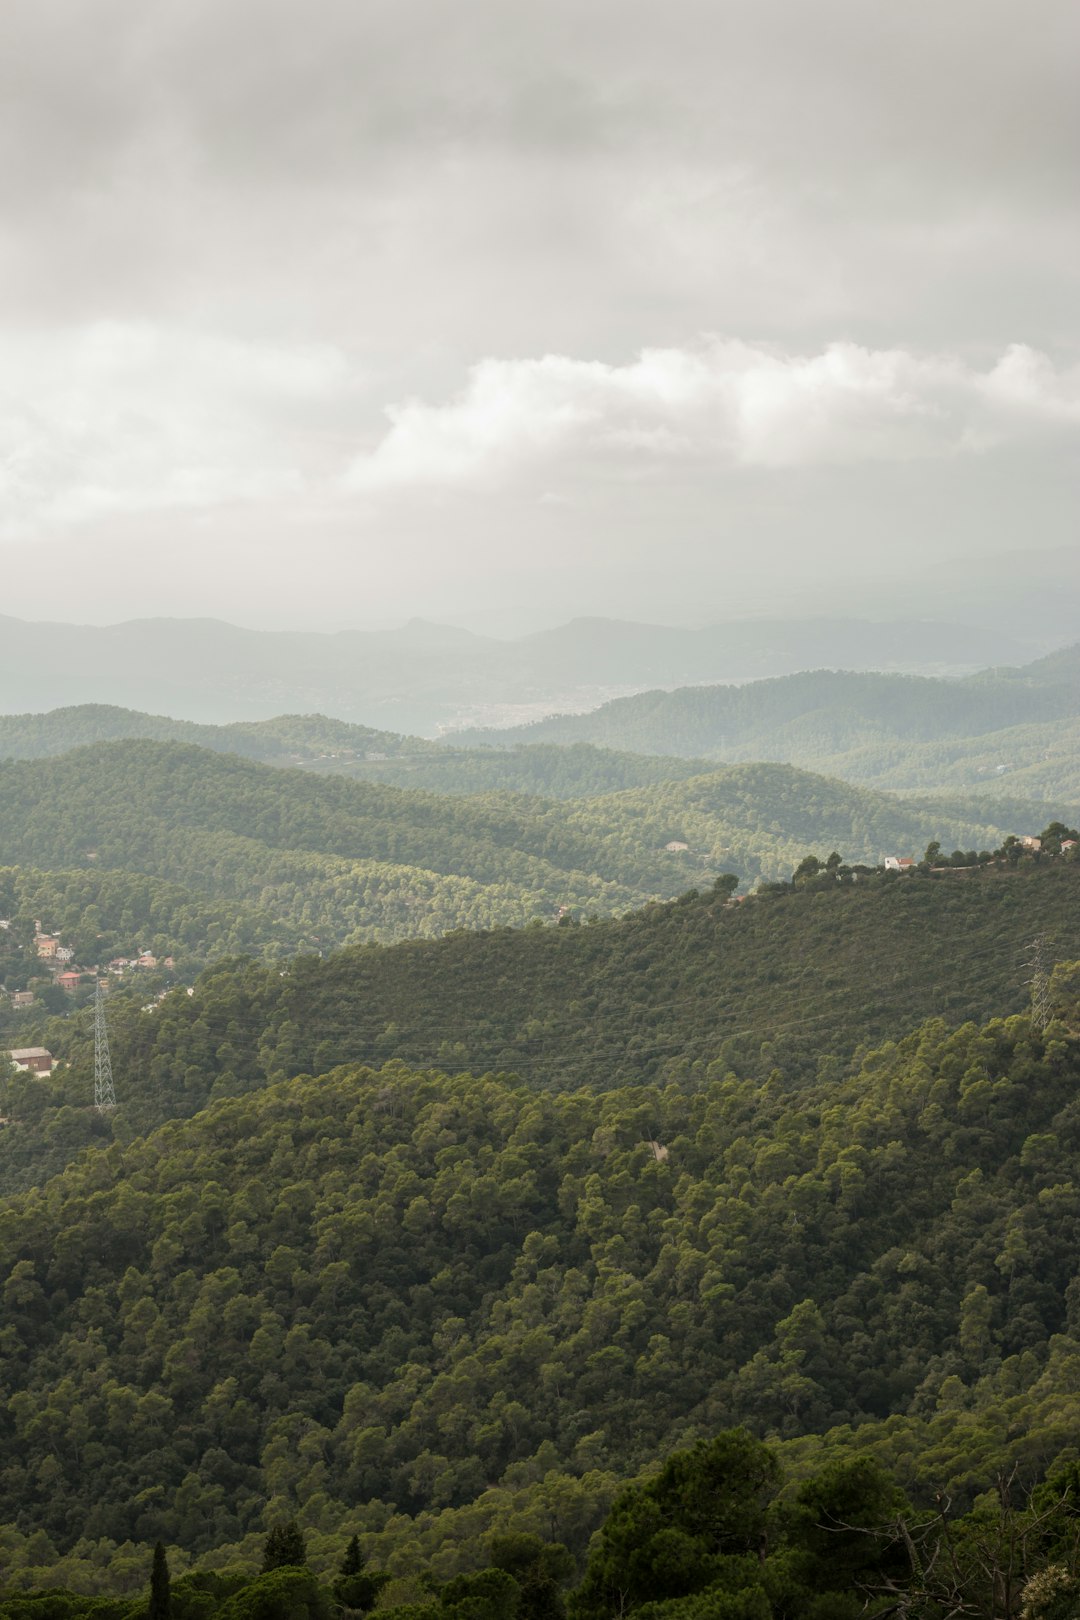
(422, 1309)
(107, 913)
(719, 1530)
(893, 731)
(290, 739)
(851, 726)
(312, 862)
(786, 976)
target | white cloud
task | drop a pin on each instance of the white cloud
(131, 416)
(720, 403)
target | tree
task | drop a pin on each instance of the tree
(707, 1509)
(540, 1568)
(160, 1594)
(356, 1587)
(284, 1548)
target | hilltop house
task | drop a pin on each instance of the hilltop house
(676, 846)
(899, 863)
(1029, 842)
(46, 946)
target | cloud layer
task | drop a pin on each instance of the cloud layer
(133, 417)
(726, 404)
(253, 223)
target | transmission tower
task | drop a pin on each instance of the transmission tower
(1040, 985)
(104, 1095)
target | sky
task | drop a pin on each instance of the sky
(335, 313)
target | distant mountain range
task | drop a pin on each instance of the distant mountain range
(427, 678)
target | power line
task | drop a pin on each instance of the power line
(104, 1095)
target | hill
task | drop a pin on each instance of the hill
(799, 977)
(421, 676)
(892, 730)
(417, 1307)
(287, 739)
(322, 860)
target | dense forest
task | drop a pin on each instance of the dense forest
(800, 976)
(900, 731)
(422, 1308)
(865, 738)
(286, 740)
(483, 1270)
(322, 860)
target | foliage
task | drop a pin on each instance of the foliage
(285, 1548)
(903, 731)
(418, 1308)
(160, 1586)
(252, 858)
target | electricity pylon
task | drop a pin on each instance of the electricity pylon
(1040, 986)
(104, 1095)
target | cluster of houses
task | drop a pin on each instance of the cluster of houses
(59, 961)
(907, 863)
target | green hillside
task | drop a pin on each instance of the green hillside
(419, 1307)
(332, 858)
(106, 914)
(1034, 760)
(897, 731)
(798, 977)
(288, 739)
(313, 862)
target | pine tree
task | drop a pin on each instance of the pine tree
(356, 1587)
(160, 1593)
(285, 1548)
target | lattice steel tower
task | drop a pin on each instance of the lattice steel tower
(1040, 985)
(104, 1095)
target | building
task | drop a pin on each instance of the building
(69, 982)
(46, 947)
(899, 863)
(22, 998)
(676, 846)
(147, 960)
(1029, 842)
(64, 953)
(35, 1059)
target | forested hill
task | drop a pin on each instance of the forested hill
(334, 747)
(798, 977)
(289, 739)
(418, 1308)
(863, 726)
(338, 860)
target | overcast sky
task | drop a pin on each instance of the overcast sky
(503, 310)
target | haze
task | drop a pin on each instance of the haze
(329, 316)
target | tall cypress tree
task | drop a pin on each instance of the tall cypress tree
(160, 1590)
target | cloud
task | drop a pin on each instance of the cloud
(128, 416)
(721, 403)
